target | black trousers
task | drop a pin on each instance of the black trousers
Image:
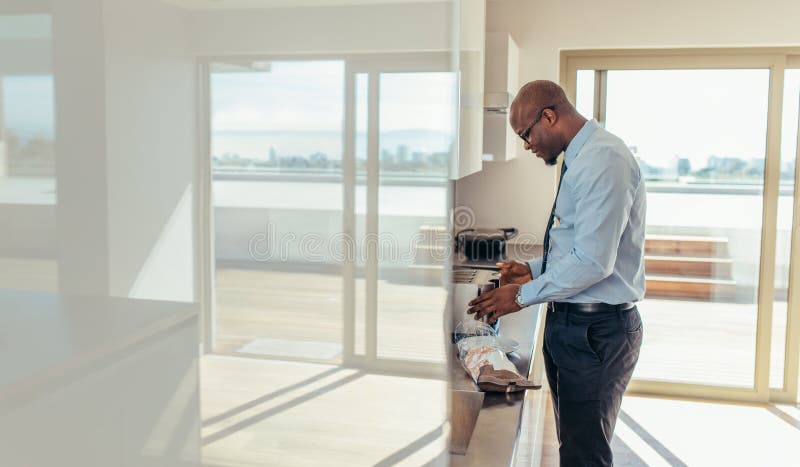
(589, 359)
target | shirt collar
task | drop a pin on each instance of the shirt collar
(581, 137)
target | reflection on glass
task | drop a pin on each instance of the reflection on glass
(27, 154)
(415, 136)
(276, 158)
(27, 111)
(277, 117)
(28, 125)
(699, 137)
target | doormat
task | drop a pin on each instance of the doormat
(291, 348)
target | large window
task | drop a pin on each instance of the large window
(780, 354)
(29, 127)
(704, 129)
(277, 117)
(415, 137)
(329, 177)
(276, 151)
(27, 108)
(28, 242)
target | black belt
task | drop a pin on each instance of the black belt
(590, 307)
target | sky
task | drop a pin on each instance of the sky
(699, 112)
(28, 104)
(309, 96)
(27, 101)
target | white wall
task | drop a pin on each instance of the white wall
(520, 193)
(343, 29)
(151, 149)
(125, 85)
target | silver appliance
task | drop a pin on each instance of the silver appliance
(468, 284)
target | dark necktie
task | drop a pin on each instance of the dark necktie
(546, 245)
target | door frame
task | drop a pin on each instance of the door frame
(777, 60)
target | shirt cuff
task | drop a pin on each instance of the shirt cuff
(536, 267)
(529, 292)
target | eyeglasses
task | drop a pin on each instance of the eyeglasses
(524, 134)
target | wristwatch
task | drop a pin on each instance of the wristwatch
(518, 298)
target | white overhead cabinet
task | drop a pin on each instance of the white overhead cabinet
(488, 70)
(468, 58)
(500, 143)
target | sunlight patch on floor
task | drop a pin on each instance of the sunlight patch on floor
(709, 433)
(264, 412)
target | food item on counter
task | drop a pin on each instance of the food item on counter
(490, 379)
(478, 357)
(486, 362)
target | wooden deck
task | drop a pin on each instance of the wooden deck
(697, 342)
(685, 341)
(307, 308)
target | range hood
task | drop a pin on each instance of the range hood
(498, 102)
(501, 84)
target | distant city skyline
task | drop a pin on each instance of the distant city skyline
(257, 144)
(301, 112)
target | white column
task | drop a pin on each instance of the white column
(81, 186)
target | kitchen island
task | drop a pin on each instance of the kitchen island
(97, 381)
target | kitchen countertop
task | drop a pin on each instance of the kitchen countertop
(497, 429)
(49, 339)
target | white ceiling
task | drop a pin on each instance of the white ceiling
(249, 4)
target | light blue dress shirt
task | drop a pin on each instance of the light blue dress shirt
(597, 249)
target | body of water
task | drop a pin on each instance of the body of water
(256, 145)
(422, 201)
(664, 209)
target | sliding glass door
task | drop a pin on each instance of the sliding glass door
(329, 193)
(718, 157)
(415, 137)
(704, 168)
(402, 131)
(28, 201)
(785, 348)
(276, 171)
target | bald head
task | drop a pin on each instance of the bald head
(537, 95)
(543, 116)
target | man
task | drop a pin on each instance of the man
(591, 271)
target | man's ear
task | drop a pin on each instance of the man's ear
(549, 116)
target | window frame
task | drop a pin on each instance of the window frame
(777, 60)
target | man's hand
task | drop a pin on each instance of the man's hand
(514, 272)
(495, 303)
